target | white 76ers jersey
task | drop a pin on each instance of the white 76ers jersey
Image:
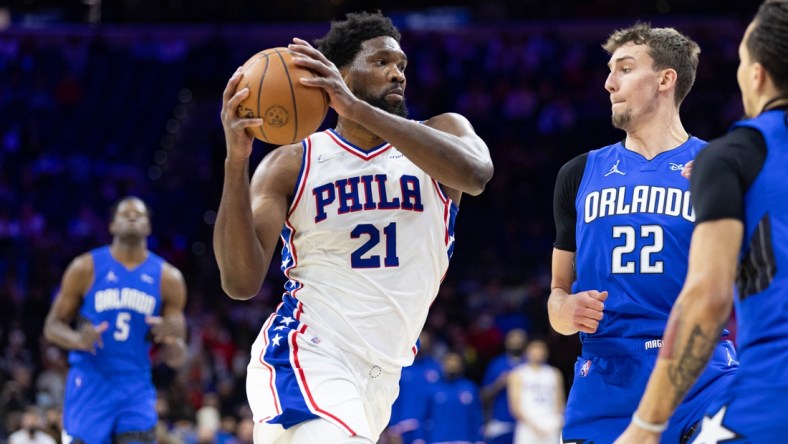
(367, 242)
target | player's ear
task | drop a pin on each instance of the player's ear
(758, 75)
(667, 79)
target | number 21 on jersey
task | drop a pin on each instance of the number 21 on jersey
(362, 257)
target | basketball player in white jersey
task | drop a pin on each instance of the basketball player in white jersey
(366, 215)
(536, 398)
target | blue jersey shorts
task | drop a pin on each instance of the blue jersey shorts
(610, 378)
(747, 413)
(100, 407)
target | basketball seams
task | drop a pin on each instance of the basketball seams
(292, 96)
(260, 94)
(277, 106)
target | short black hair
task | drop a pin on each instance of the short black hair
(114, 208)
(343, 41)
(768, 41)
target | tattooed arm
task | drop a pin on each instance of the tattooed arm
(694, 326)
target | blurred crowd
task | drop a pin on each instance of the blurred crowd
(92, 114)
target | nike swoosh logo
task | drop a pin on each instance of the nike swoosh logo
(321, 158)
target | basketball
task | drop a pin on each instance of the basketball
(290, 110)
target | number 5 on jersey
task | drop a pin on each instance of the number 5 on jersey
(358, 258)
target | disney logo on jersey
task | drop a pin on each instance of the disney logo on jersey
(366, 193)
(676, 166)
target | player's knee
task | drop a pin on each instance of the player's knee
(320, 431)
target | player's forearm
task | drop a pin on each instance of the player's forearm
(174, 353)
(692, 334)
(451, 160)
(60, 334)
(238, 252)
(559, 320)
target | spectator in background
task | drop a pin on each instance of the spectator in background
(31, 431)
(536, 397)
(416, 384)
(454, 408)
(500, 427)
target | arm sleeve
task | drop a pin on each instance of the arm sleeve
(723, 172)
(564, 212)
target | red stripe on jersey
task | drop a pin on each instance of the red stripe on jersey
(355, 151)
(266, 365)
(302, 379)
(302, 184)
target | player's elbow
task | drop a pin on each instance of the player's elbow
(478, 178)
(240, 289)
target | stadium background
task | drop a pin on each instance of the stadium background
(100, 100)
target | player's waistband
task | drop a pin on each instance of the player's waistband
(620, 346)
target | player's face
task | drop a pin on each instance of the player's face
(632, 83)
(131, 220)
(377, 75)
(744, 75)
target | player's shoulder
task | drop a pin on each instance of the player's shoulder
(738, 142)
(452, 123)
(281, 164)
(81, 270)
(84, 263)
(170, 271)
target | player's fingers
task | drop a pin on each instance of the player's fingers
(303, 47)
(247, 123)
(584, 328)
(101, 328)
(153, 320)
(232, 103)
(594, 314)
(590, 324)
(231, 85)
(598, 295)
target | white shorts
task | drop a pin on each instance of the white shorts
(295, 377)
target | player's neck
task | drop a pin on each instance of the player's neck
(129, 252)
(656, 136)
(357, 134)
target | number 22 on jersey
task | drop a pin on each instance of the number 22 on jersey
(649, 239)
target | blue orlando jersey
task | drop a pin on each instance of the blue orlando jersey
(762, 303)
(122, 298)
(634, 224)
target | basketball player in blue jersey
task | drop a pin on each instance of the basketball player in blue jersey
(739, 187)
(366, 215)
(123, 298)
(624, 219)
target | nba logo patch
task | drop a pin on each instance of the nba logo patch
(315, 340)
(585, 368)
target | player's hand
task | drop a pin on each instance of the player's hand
(239, 141)
(90, 336)
(636, 435)
(687, 171)
(168, 329)
(328, 76)
(585, 310)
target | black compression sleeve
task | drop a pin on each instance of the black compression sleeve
(723, 172)
(564, 212)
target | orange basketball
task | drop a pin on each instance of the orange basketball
(290, 110)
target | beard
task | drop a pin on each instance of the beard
(398, 109)
(622, 120)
